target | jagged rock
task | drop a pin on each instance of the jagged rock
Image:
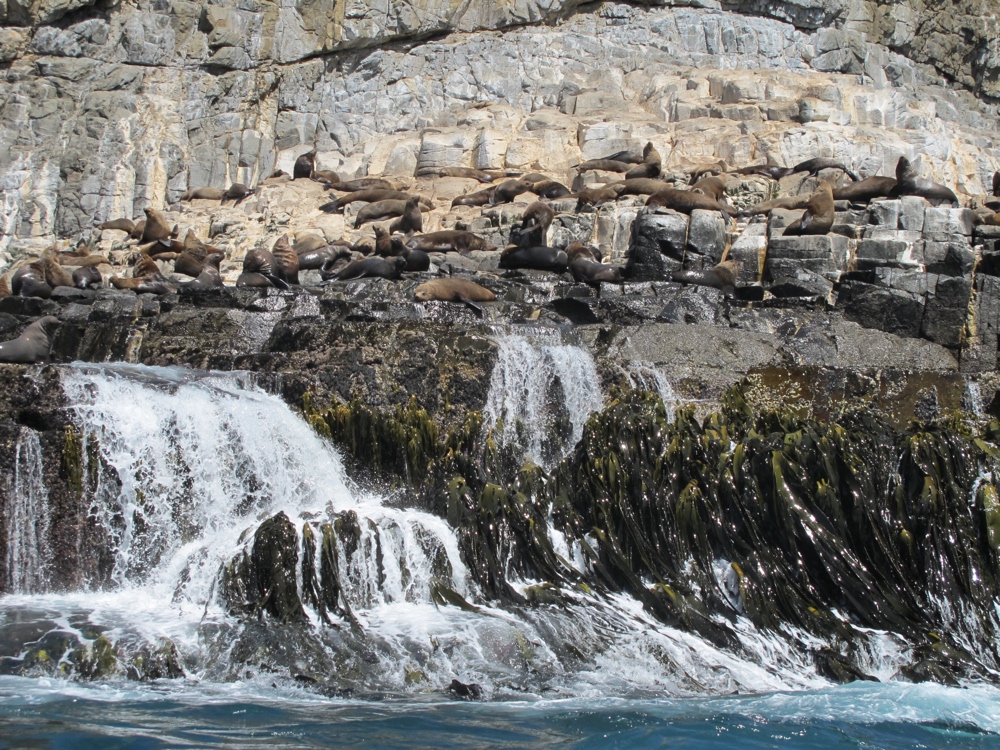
(658, 243)
(707, 235)
(912, 212)
(944, 318)
(944, 224)
(890, 310)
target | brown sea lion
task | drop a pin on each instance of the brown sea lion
(604, 165)
(416, 260)
(373, 195)
(449, 240)
(628, 157)
(481, 198)
(86, 277)
(596, 196)
(707, 170)
(383, 243)
(453, 289)
(323, 256)
(506, 191)
(723, 276)
(237, 192)
(411, 221)
(191, 260)
(380, 210)
(767, 170)
(123, 225)
(4, 286)
(638, 186)
(203, 193)
(466, 172)
(304, 165)
(537, 258)
(362, 183)
(367, 268)
(55, 275)
(309, 240)
(586, 270)
(989, 220)
(535, 223)
(818, 163)
(144, 266)
(29, 281)
(577, 249)
(650, 166)
(549, 189)
(788, 202)
(909, 182)
(260, 270)
(326, 176)
(714, 187)
(687, 201)
(157, 227)
(996, 183)
(819, 214)
(286, 260)
(140, 227)
(864, 190)
(34, 345)
(209, 278)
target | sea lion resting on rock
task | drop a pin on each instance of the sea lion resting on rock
(584, 269)
(449, 240)
(122, 225)
(639, 186)
(304, 165)
(86, 277)
(362, 183)
(535, 223)
(707, 170)
(156, 227)
(326, 176)
(819, 214)
(816, 164)
(537, 258)
(480, 198)
(908, 182)
(596, 196)
(191, 260)
(604, 165)
(714, 187)
(260, 270)
(864, 190)
(203, 193)
(29, 281)
(549, 189)
(790, 202)
(508, 190)
(380, 210)
(411, 221)
(650, 166)
(33, 345)
(384, 268)
(55, 274)
(416, 260)
(313, 260)
(286, 260)
(577, 249)
(687, 201)
(723, 276)
(209, 278)
(372, 195)
(453, 289)
(466, 172)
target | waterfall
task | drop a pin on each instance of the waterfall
(649, 377)
(541, 393)
(28, 520)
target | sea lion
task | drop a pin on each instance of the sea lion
(480, 198)
(144, 266)
(55, 275)
(373, 195)
(260, 270)
(818, 163)
(714, 187)
(286, 260)
(708, 170)
(237, 192)
(308, 240)
(449, 240)
(383, 243)
(537, 258)
(380, 210)
(908, 182)
(4, 286)
(506, 191)
(362, 183)
(996, 183)
(864, 190)
(411, 221)
(326, 176)
(586, 270)
(191, 260)
(146, 278)
(466, 172)
(818, 218)
(33, 345)
(628, 157)
(687, 201)
(549, 189)
(383, 268)
(29, 281)
(122, 225)
(313, 260)
(138, 229)
(989, 220)
(596, 196)
(416, 260)
(453, 289)
(650, 166)
(577, 249)
(203, 193)
(604, 165)
(788, 202)
(723, 276)
(767, 170)
(304, 165)
(535, 223)
(638, 186)
(156, 227)
(85, 277)
(209, 278)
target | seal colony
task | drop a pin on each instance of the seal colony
(416, 236)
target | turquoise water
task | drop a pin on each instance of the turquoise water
(52, 714)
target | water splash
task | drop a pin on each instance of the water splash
(648, 376)
(541, 393)
(28, 519)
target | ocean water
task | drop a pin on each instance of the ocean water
(46, 713)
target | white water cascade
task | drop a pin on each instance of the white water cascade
(27, 514)
(191, 463)
(541, 392)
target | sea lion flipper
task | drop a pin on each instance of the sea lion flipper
(278, 283)
(329, 208)
(475, 307)
(805, 221)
